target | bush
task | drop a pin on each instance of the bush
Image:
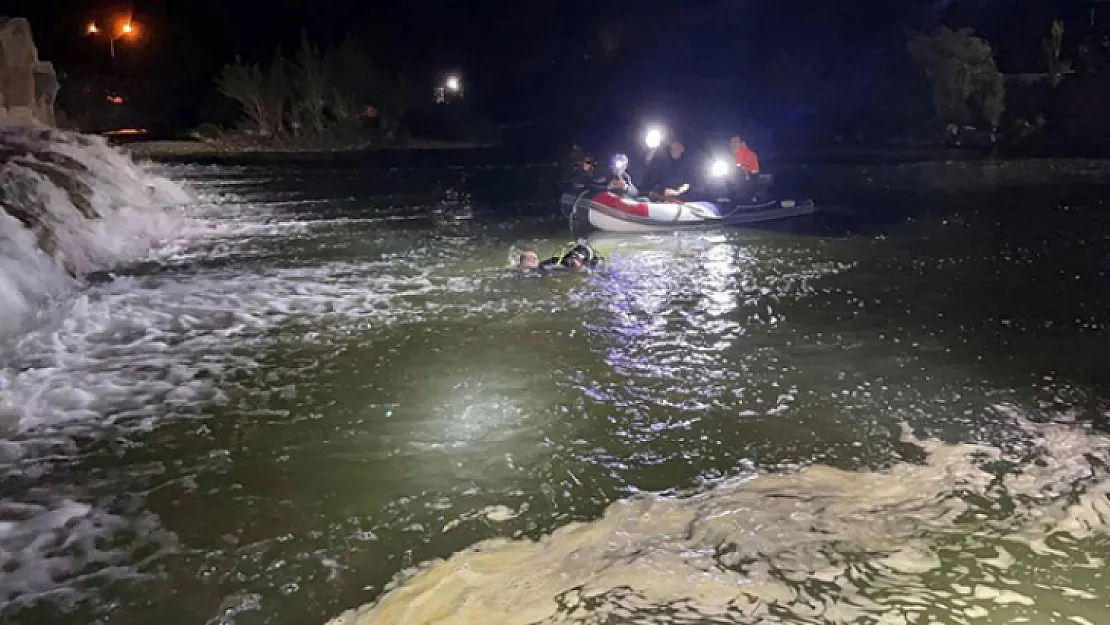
(207, 132)
(967, 87)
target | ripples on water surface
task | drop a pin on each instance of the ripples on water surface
(337, 380)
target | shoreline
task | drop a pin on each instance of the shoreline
(184, 148)
(795, 171)
(177, 149)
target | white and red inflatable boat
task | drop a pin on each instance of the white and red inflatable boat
(613, 212)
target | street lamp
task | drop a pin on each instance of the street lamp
(451, 87)
(124, 29)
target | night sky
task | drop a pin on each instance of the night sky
(610, 61)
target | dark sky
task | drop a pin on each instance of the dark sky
(700, 57)
(498, 31)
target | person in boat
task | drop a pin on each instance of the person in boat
(751, 184)
(666, 178)
(746, 158)
(580, 166)
(621, 182)
(580, 258)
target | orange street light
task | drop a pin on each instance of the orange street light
(124, 29)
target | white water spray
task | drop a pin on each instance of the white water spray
(69, 205)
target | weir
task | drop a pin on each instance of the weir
(70, 204)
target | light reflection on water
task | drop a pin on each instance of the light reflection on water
(382, 392)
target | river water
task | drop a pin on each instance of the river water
(332, 391)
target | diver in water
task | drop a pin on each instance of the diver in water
(579, 259)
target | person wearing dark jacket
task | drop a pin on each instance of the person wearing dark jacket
(666, 176)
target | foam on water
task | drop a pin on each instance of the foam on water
(70, 205)
(114, 355)
(59, 180)
(125, 356)
(819, 545)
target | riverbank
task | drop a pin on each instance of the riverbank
(175, 149)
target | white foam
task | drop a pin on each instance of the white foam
(72, 354)
(132, 352)
(129, 204)
(51, 546)
(818, 545)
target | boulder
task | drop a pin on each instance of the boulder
(28, 86)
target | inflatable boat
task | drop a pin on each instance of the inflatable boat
(614, 212)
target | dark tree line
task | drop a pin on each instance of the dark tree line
(317, 92)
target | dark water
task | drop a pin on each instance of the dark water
(342, 379)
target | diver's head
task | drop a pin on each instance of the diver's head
(581, 257)
(676, 149)
(576, 262)
(529, 260)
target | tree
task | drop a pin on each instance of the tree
(352, 74)
(327, 90)
(966, 84)
(276, 93)
(246, 84)
(312, 84)
(1052, 46)
(358, 85)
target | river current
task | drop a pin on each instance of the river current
(327, 389)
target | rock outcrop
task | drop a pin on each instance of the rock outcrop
(28, 86)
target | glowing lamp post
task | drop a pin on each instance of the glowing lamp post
(123, 29)
(452, 87)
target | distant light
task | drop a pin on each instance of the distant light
(452, 83)
(720, 168)
(92, 29)
(125, 28)
(126, 131)
(116, 99)
(653, 138)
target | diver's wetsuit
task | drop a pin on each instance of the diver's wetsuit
(582, 252)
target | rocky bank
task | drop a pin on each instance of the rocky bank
(28, 86)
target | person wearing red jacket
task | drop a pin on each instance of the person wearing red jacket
(746, 158)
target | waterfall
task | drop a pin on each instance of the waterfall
(70, 204)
